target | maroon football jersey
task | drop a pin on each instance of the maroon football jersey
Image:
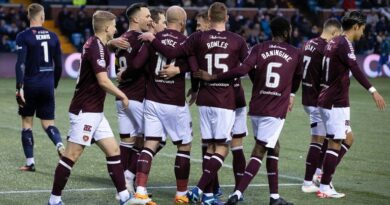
(339, 59)
(313, 52)
(89, 96)
(171, 91)
(133, 84)
(216, 52)
(277, 73)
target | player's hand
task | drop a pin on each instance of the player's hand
(147, 36)
(169, 71)
(120, 43)
(20, 97)
(379, 101)
(203, 75)
(119, 76)
(125, 103)
(193, 95)
(291, 103)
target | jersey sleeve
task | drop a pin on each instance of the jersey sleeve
(248, 64)
(348, 57)
(243, 51)
(96, 58)
(21, 49)
(183, 49)
(57, 57)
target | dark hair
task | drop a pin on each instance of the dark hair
(203, 15)
(134, 8)
(155, 14)
(351, 18)
(279, 27)
(332, 22)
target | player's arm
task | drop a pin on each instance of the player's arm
(107, 85)
(180, 50)
(248, 64)
(296, 82)
(348, 57)
(181, 66)
(118, 43)
(20, 67)
(57, 57)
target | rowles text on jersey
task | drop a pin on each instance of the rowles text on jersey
(219, 44)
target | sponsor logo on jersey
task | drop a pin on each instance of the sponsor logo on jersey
(87, 128)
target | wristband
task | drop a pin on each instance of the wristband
(292, 94)
(372, 90)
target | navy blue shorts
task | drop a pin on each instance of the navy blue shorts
(39, 100)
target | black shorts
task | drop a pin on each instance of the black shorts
(39, 100)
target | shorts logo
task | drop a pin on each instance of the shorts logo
(87, 128)
(347, 122)
(85, 138)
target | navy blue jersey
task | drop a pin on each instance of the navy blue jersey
(39, 58)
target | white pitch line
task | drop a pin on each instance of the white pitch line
(231, 167)
(112, 189)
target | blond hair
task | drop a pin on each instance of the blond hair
(33, 10)
(100, 19)
(217, 12)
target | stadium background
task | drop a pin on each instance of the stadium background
(364, 175)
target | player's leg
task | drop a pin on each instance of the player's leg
(335, 121)
(251, 170)
(182, 172)
(46, 112)
(54, 134)
(314, 154)
(216, 126)
(348, 141)
(28, 143)
(72, 153)
(127, 130)
(114, 166)
(27, 113)
(239, 131)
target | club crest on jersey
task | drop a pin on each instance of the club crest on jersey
(85, 138)
(101, 62)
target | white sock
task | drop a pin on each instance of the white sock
(307, 183)
(324, 188)
(124, 195)
(238, 193)
(141, 190)
(30, 161)
(129, 175)
(318, 171)
(275, 196)
(54, 199)
(181, 193)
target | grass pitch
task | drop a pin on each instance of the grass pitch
(364, 175)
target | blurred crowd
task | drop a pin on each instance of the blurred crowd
(77, 25)
(12, 21)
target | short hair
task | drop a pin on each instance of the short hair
(155, 14)
(351, 18)
(33, 10)
(134, 8)
(202, 15)
(279, 26)
(217, 12)
(100, 18)
(332, 22)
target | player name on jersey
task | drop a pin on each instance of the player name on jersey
(275, 52)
